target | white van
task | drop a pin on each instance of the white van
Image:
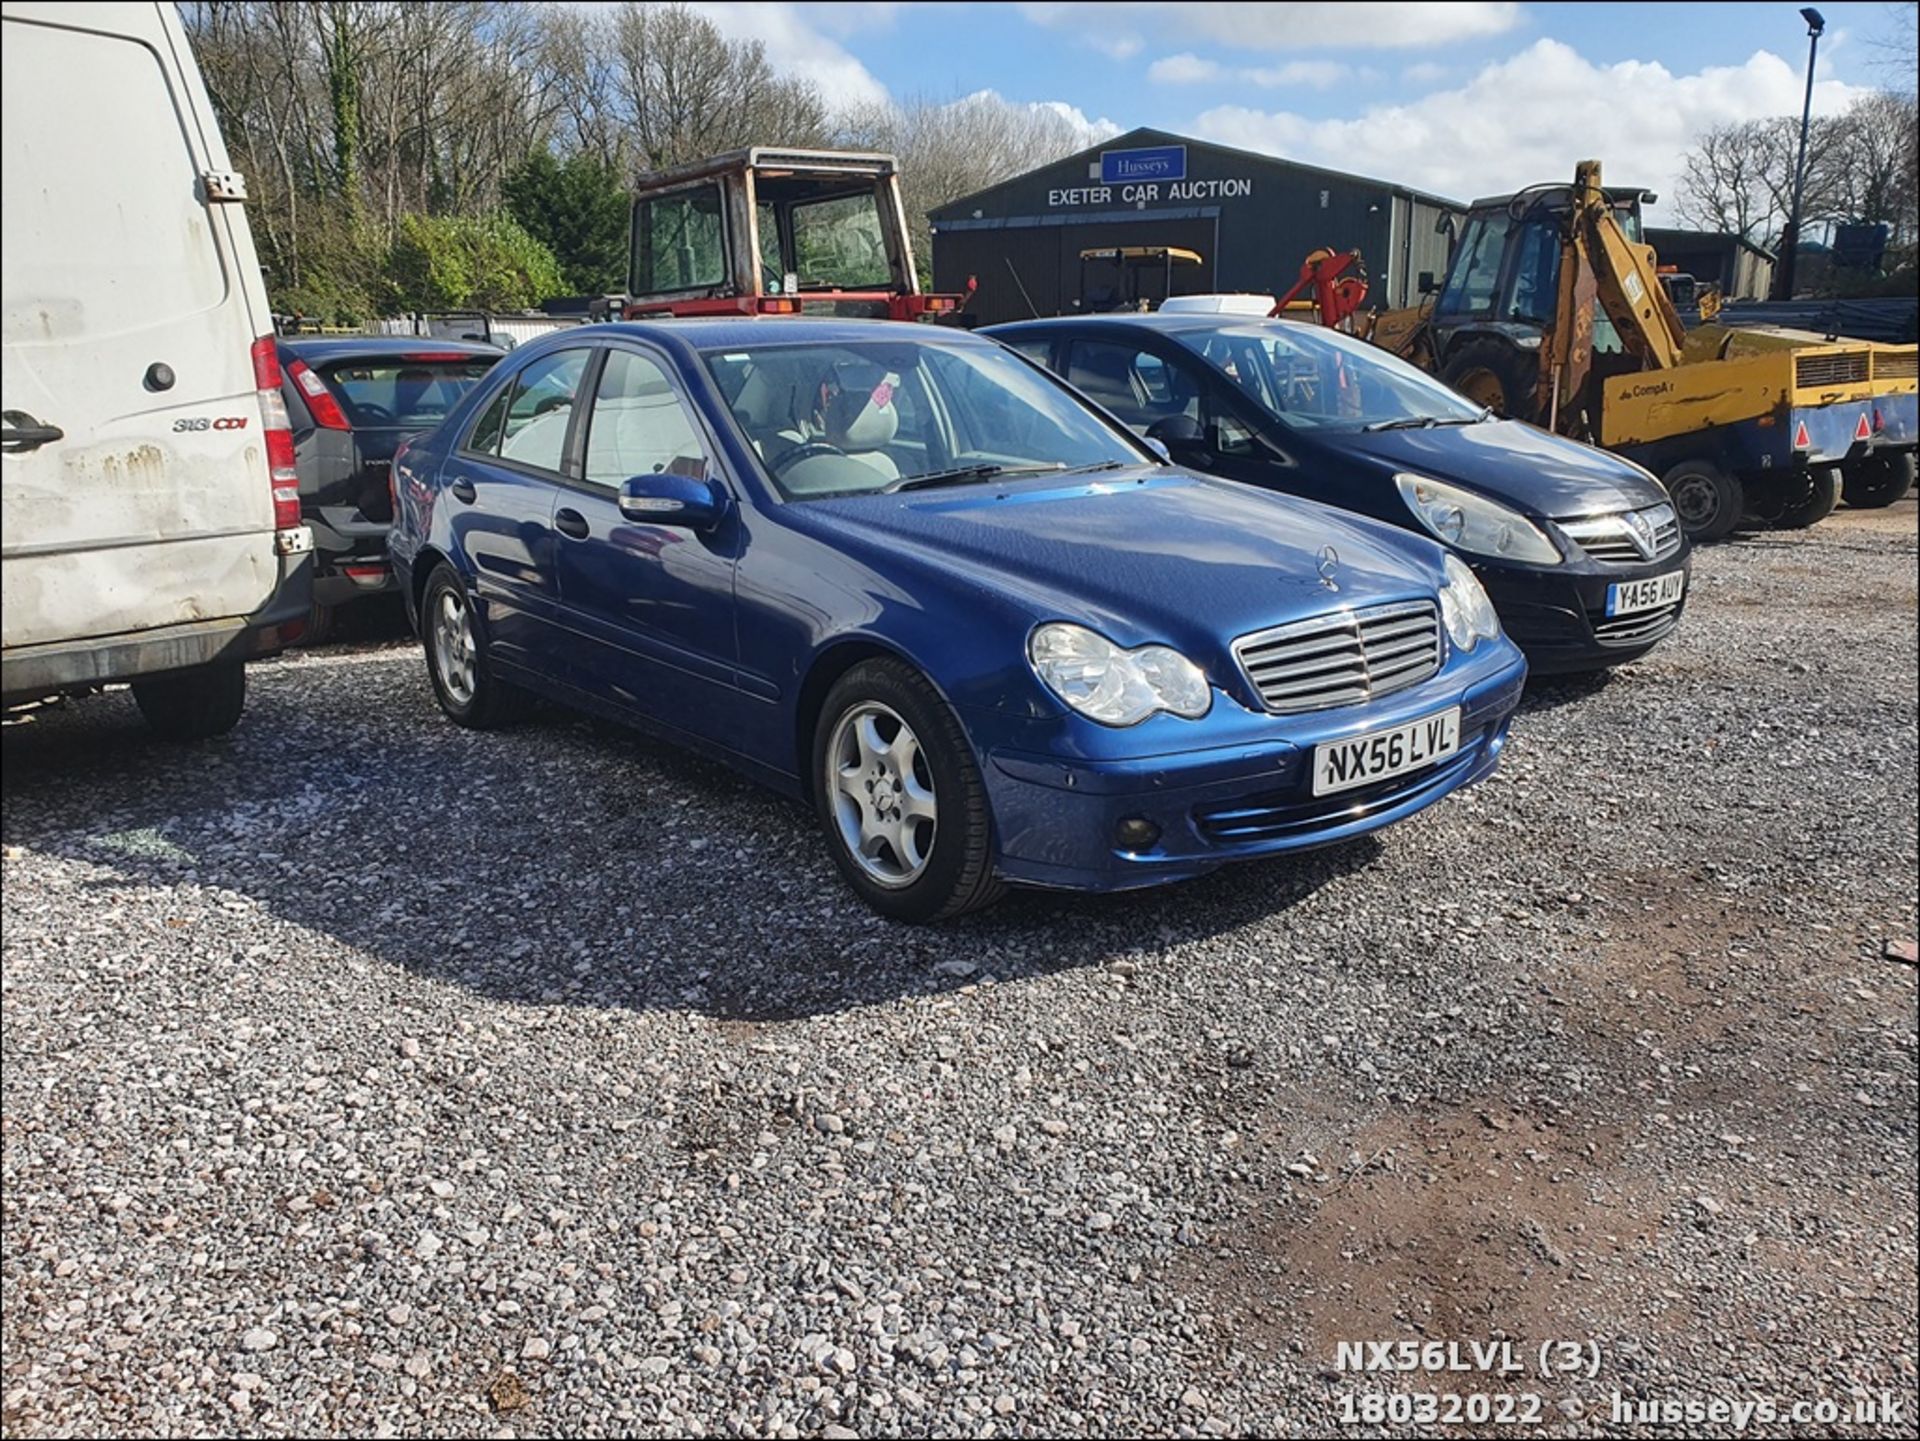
(149, 510)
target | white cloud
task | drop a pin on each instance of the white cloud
(1530, 117)
(1091, 132)
(1185, 70)
(1271, 26)
(1423, 72)
(1188, 69)
(795, 47)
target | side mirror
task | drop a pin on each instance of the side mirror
(1427, 283)
(664, 498)
(1159, 448)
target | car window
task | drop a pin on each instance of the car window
(639, 425)
(678, 242)
(848, 417)
(415, 392)
(1038, 349)
(485, 435)
(1136, 385)
(1309, 377)
(531, 428)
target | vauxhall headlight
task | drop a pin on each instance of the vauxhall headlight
(1465, 608)
(1475, 524)
(1113, 685)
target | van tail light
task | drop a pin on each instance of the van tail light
(327, 413)
(282, 475)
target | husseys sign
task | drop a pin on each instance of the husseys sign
(1150, 174)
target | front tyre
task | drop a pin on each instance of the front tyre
(900, 798)
(195, 705)
(463, 680)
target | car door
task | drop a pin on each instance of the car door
(499, 487)
(649, 609)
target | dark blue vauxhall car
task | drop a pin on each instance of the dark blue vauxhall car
(1580, 550)
(990, 635)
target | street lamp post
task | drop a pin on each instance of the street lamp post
(1790, 236)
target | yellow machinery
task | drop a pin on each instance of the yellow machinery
(1553, 312)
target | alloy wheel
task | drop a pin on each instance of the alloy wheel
(453, 648)
(882, 792)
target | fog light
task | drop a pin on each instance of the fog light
(1136, 833)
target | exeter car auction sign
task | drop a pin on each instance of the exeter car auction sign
(1149, 175)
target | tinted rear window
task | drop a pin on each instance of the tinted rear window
(414, 394)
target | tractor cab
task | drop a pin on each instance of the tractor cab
(769, 231)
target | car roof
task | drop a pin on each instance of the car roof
(1172, 323)
(324, 349)
(710, 332)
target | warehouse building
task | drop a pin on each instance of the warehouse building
(1194, 217)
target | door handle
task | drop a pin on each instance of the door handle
(462, 490)
(570, 522)
(23, 433)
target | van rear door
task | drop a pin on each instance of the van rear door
(128, 307)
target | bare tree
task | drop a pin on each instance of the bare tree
(1739, 177)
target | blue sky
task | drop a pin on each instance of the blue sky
(1463, 99)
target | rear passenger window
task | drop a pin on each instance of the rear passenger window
(533, 426)
(485, 435)
(638, 425)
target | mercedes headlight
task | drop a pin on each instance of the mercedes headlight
(1475, 524)
(1465, 608)
(1113, 685)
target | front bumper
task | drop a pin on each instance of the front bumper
(1558, 616)
(1056, 818)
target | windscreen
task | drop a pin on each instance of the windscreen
(405, 392)
(866, 416)
(1315, 378)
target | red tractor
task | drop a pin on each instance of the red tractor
(774, 232)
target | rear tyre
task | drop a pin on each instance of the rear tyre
(1494, 374)
(1709, 500)
(463, 680)
(1811, 501)
(1879, 480)
(900, 798)
(320, 621)
(196, 705)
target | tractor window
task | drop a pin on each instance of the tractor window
(838, 244)
(679, 242)
(1536, 272)
(1476, 267)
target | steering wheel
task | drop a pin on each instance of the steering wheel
(552, 403)
(807, 450)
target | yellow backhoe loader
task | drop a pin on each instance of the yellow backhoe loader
(1553, 312)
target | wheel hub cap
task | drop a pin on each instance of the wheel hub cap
(453, 648)
(881, 789)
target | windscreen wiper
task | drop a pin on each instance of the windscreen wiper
(963, 475)
(1405, 422)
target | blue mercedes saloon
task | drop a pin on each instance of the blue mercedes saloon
(985, 632)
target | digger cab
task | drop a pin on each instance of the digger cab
(768, 231)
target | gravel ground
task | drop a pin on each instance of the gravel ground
(367, 1075)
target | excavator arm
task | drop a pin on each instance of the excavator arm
(1599, 262)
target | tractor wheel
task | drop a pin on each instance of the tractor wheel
(1879, 480)
(1494, 374)
(1812, 500)
(1709, 501)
